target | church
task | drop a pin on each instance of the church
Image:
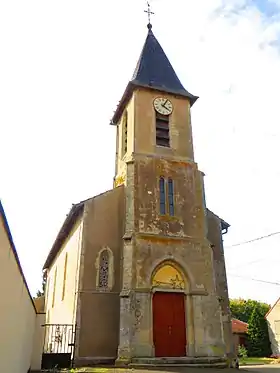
(137, 274)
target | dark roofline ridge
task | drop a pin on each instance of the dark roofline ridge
(154, 71)
(75, 211)
(13, 247)
(223, 222)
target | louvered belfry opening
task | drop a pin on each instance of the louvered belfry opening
(162, 130)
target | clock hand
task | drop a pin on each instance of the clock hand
(165, 104)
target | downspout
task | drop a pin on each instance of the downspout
(233, 359)
(225, 231)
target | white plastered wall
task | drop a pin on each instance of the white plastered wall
(63, 311)
(17, 312)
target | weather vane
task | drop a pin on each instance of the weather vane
(149, 12)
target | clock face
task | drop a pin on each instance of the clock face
(163, 106)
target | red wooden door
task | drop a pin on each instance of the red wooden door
(169, 326)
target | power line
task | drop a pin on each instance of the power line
(249, 263)
(254, 279)
(253, 262)
(253, 240)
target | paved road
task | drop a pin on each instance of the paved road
(271, 368)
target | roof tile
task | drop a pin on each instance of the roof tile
(239, 326)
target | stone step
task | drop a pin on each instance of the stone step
(193, 365)
(184, 361)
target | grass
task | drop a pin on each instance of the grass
(255, 360)
(99, 370)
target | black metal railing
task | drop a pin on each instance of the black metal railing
(59, 345)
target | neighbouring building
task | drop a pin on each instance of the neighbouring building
(240, 333)
(273, 321)
(21, 333)
(138, 273)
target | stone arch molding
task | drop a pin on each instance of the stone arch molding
(110, 269)
(170, 273)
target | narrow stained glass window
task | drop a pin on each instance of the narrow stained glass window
(171, 197)
(103, 269)
(162, 196)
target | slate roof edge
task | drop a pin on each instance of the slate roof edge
(13, 247)
(122, 104)
(64, 231)
(224, 224)
(71, 218)
(181, 92)
(132, 85)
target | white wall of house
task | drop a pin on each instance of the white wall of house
(60, 304)
(273, 320)
(38, 342)
(17, 311)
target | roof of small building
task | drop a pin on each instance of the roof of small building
(13, 247)
(239, 326)
(154, 71)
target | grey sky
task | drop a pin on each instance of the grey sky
(63, 69)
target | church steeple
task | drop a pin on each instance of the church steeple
(153, 71)
(153, 116)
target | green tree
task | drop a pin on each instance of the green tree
(242, 309)
(253, 313)
(258, 337)
(41, 292)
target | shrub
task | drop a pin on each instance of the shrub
(242, 352)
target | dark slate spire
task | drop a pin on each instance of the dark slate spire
(154, 71)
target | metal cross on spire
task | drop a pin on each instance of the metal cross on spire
(149, 12)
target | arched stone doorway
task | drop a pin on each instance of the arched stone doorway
(169, 311)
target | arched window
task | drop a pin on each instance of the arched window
(166, 196)
(104, 265)
(103, 280)
(162, 196)
(170, 197)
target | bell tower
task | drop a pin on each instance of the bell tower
(153, 116)
(165, 219)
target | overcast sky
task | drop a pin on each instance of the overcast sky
(63, 68)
